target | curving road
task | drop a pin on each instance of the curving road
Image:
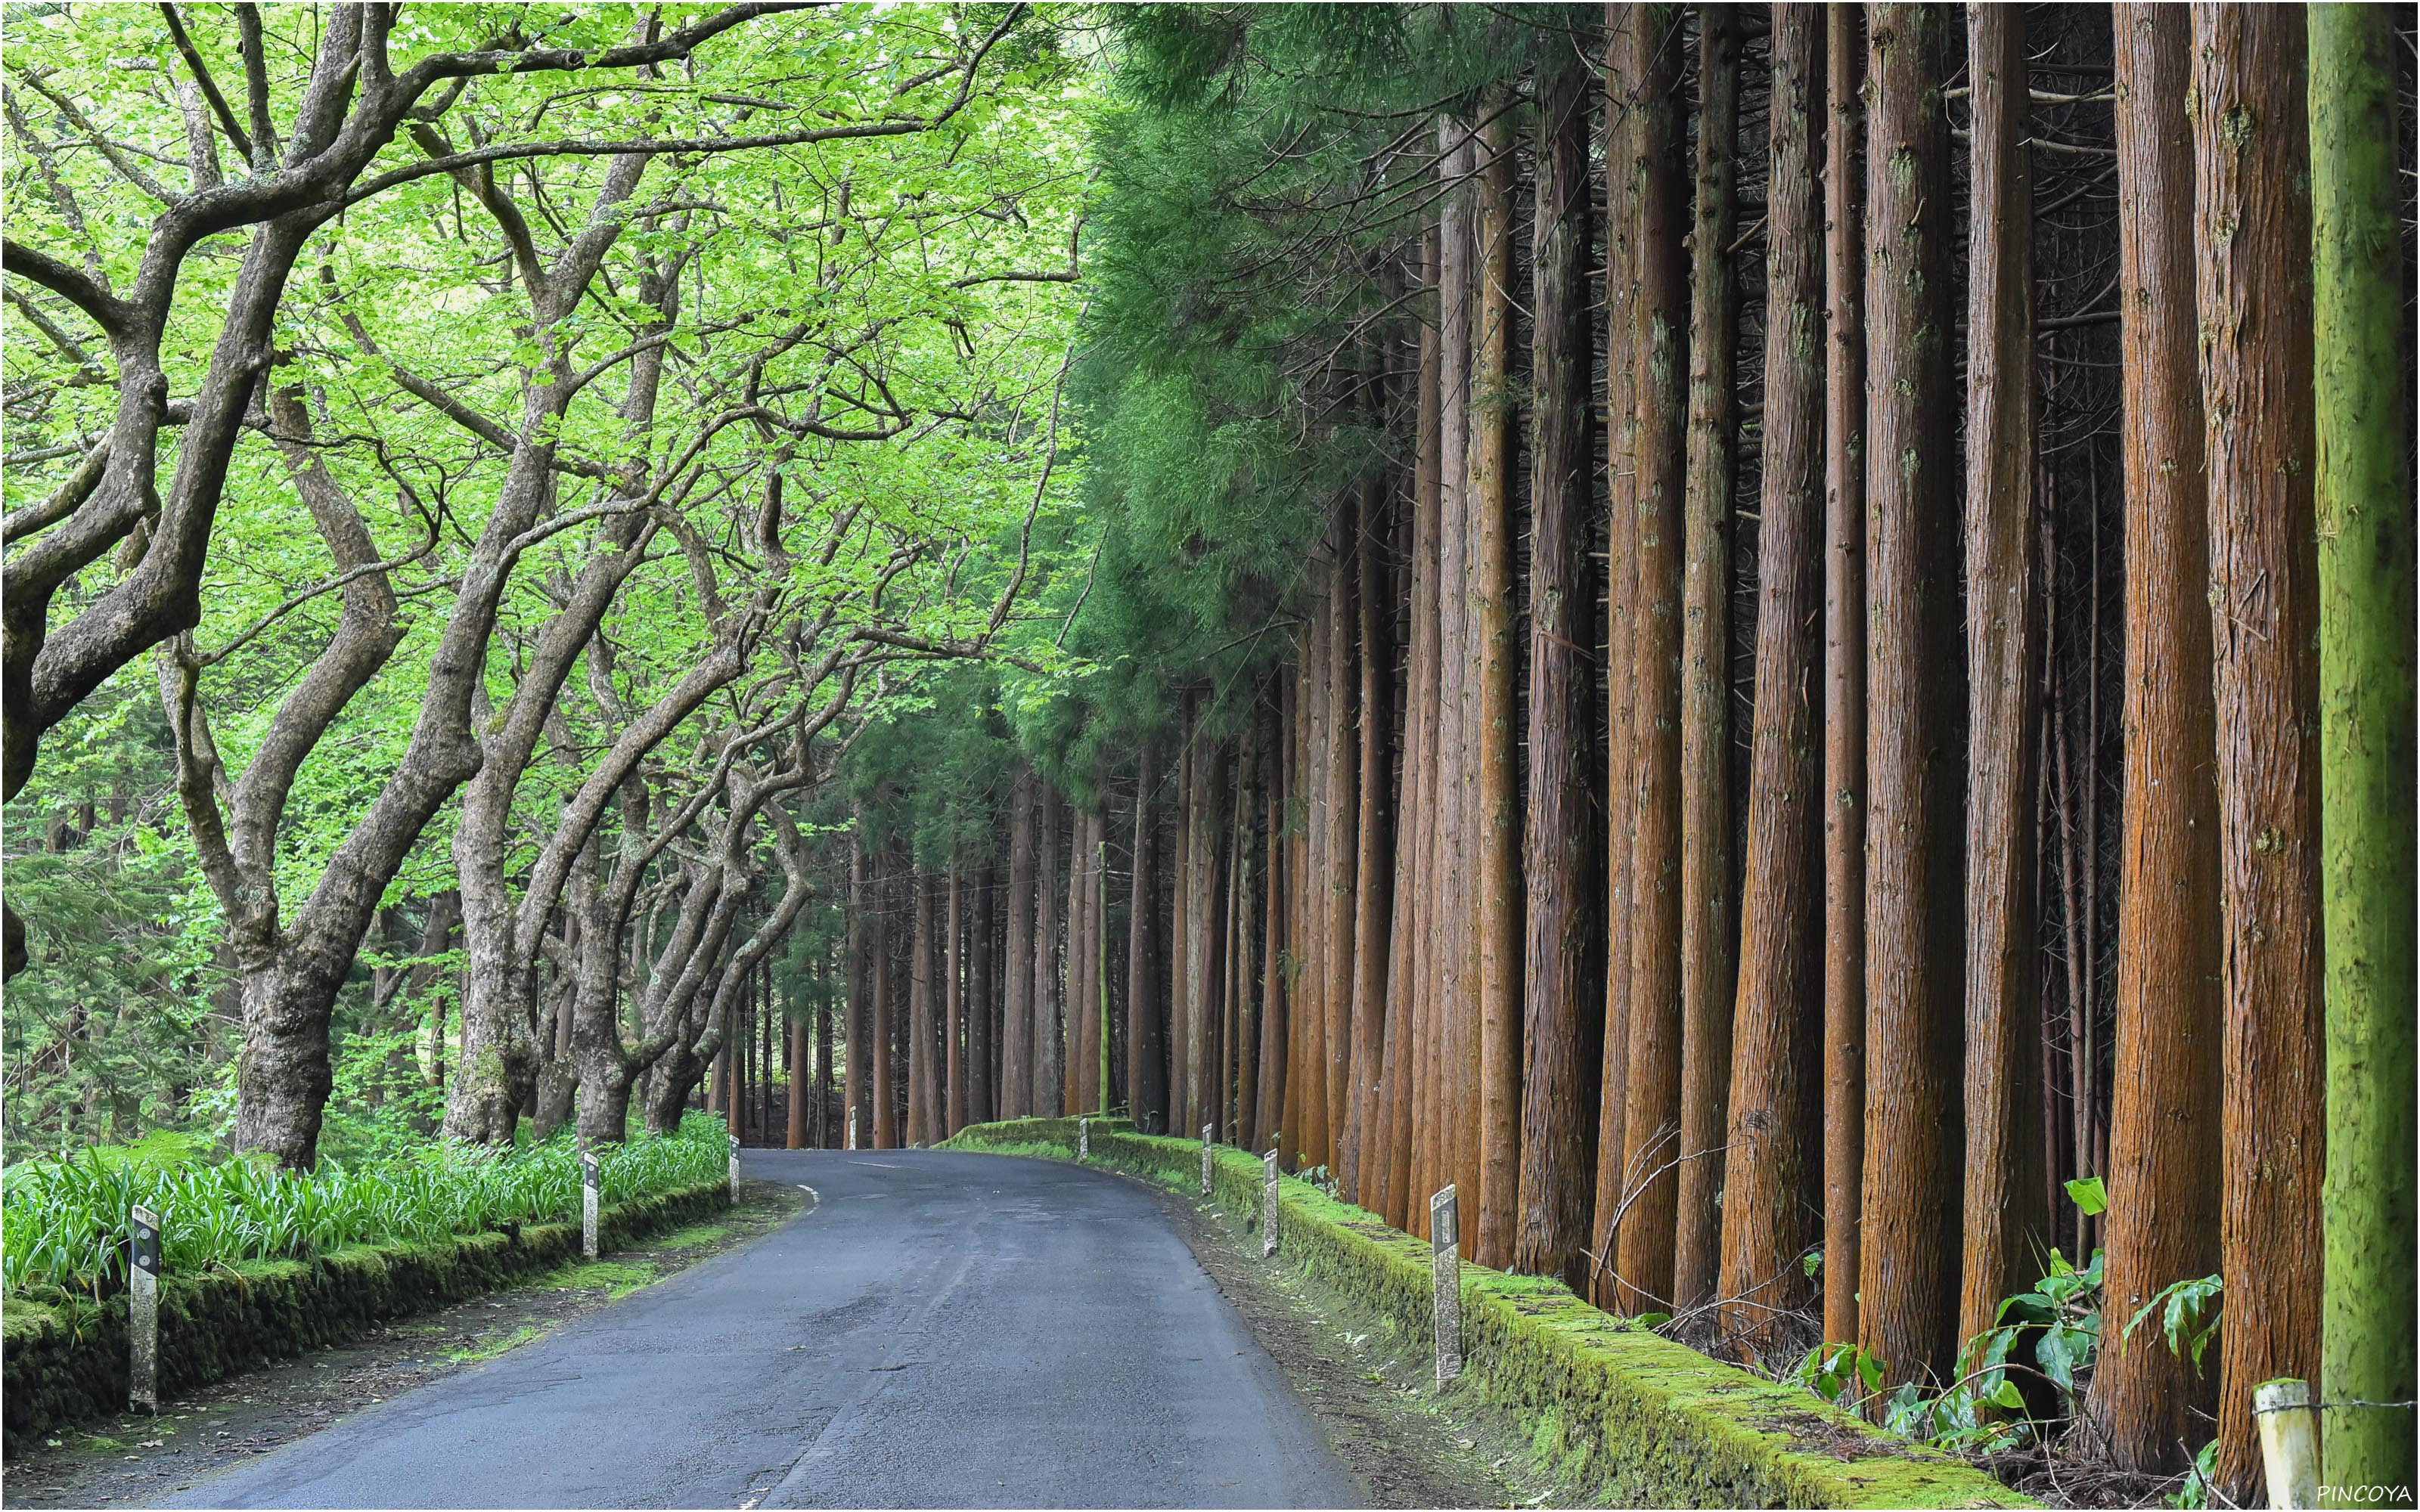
(936, 1330)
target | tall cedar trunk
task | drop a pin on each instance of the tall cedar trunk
(1048, 1067)
(1709, 948)
(1214, 953)
(820, 1129)
(1496, 818)
(1288, 943)
(1270, 1104)
(857, 1035)
(1016, 966)
(1844, 673)
(1908, 1281)
(1411, 978)
(1621, 597)
(1243, 972)
(1095, 1089)
(1451, 1070)
(1774, 1158)
(1079, 921)
(2251, 224)
(924, 1084)
(953, 1025)
(1310, 899)
(1563, 1009)
(881, 1039)
(2364, 433)
(2162, 1224)
(1659, 305)
(1180, 1116)
(2005, 1218)
(1200, 914)
(1146, 1029)
(1222, 1111)
(794, 1130)
(1374, 857)
(1336, 810)
(981, 1001)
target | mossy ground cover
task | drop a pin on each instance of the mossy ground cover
(1617, 1414)
(137, 1457)
(66, 1355)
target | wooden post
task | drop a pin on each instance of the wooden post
(143, 1313)
(588, 1203)
(734, 1167)
(2289, 1449)
(1445, 1266)
(1083, 1139)
(1207, 1130)
(1268, 1204)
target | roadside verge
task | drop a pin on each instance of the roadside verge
(65, 1359)
(1642, 1420)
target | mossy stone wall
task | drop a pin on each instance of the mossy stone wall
(66, 1361)
(1641, 1420)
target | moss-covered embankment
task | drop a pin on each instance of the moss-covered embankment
(1642, 1420)
(66, 1358)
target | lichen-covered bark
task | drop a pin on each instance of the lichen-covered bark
(2364, 420)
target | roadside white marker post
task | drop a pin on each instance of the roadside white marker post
(1445, 1265)
(734, 1167)
(588, 1203)
(143, 1313)
(1268, 1204)
(1207, 1130)
(2288, 1446)
(1083, 1139)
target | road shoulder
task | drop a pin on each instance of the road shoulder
(135, 1457)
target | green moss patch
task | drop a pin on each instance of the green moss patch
(1635, 1418)
(66, 1357)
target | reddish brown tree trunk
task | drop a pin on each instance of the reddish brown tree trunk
(983, 1102)
(1622, 591)
(1049, 1067)
(1659, 309)
(954, 1029)
(1562, 1008)
(1269, 1106)
(2164, 1148)
(2252, 224)
(1146, 1029)
(922, 1085)
(1017, 1037)
(1908, 1281)
(2005, 1237)
(1844, 674)
(1374, 860)
(1709, 946)
(1775, 1160)
(885, 1117)
(1496, 818)
(1454, 1071)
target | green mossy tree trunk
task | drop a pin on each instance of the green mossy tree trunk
(2366, 755)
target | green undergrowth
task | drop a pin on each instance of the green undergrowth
(66, 1354)
(1614, 1412)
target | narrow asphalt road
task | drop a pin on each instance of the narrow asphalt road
(936, 1330)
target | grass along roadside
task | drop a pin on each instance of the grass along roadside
(133, 1457)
